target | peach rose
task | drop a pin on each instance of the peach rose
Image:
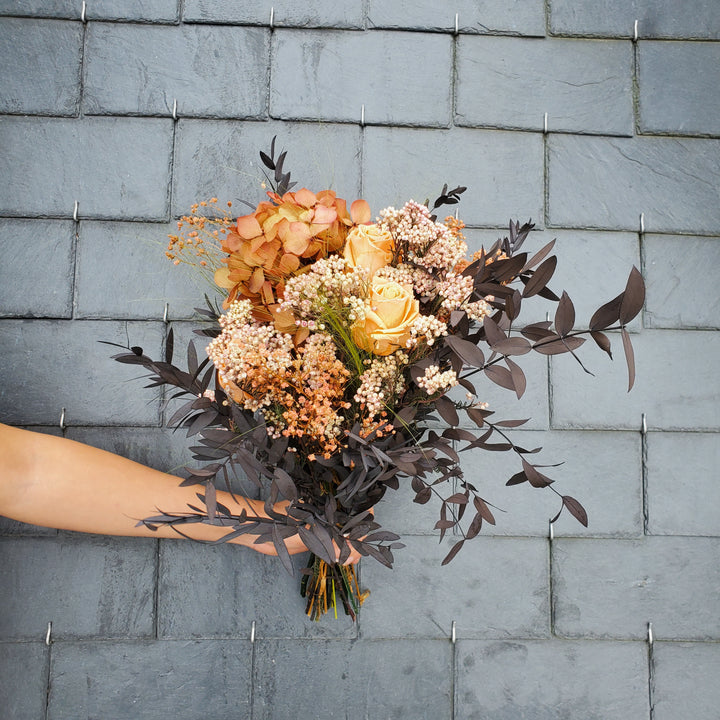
(393, 309)
(368, 246)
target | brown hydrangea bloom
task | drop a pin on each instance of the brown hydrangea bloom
(279, 239)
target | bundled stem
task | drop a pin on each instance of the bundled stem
(322, 584)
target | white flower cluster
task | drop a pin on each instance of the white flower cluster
(434, 381)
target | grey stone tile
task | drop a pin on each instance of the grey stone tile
(583, 86)
(681, 275)
(286, 13)
(600, 469)
(548, 679)
(37, 269)
(41, 8)
(676, 385)
(613, 588)
(503, 171)
(685, 682)
(220, 159)
(147, 680)
(171, 63)
(133, 10)
(41, 66)
(419, 598)
(607, 182)
(145, 278)
(368, 679)
(616, 18)
(394, 75)
(23, 667)
(517, 18)
(72, 370)
(86, 586)
(219, 591)
(683, 492)
(114, 167)
(675, 95)
(142, 10)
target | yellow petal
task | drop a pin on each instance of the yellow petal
(221, 278)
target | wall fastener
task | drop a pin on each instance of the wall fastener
(48, 634)
(643, 427)
(252, 632)
(174, 114)
(75, 211)
(83, 19)
(457, 23)
(362, 116)
(272, 17)
(165, 313)
(62, 419)
(545, 124)
(642, 223)
(635, 31)
(650, 637)
(453, 634)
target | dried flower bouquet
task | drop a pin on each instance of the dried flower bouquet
(339, 339)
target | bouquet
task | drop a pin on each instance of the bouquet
(341, 360)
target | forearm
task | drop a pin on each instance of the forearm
(59, 483)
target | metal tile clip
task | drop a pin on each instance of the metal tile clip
(453, 634)
(62, 419)
(272, 17)
(83, 19)
(174, 114)
(650, 637)
(643, 427)
(165, 313)
(551, 530)
(635, 31)
(48, 634)
(362, 116)
(457, 23)
(642, 223)
(545, 124)
(252, 632)
(75, 211)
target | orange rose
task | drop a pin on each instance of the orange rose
(368, 246)
(393, 309)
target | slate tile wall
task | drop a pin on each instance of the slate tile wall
(598, 120)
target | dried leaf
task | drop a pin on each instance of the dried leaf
(539, 256)
(564, 315)
(633, 297)
(606, 314)
(493, 333)
(484, 510)
(540, 278)
(467, 351)
(575, 509)
(518, 377)
(453, 552)
(535, 478)
(500, 376)
(513, 346)
(169, 346)
(629, 358)
(602, 341)
(285, 484)
(558, 345)
(447, 411)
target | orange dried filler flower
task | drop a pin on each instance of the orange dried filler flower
(278, 240)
